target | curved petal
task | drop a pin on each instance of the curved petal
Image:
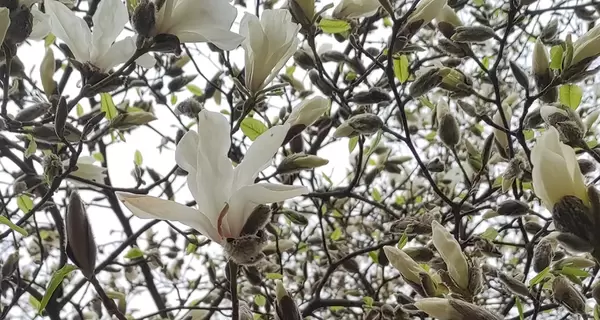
(41, 24)
(186, 151)
(244, 200)
(4, 22)
(146, 61)
(147, 207)
(538, 186)
(222, 38)
(71, 29)
(109, 20)
(579, 187)
(118, 53)
(555, 178)
(259, 155)
(255, 45)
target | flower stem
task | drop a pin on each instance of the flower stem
(106, 300)
(235, 306)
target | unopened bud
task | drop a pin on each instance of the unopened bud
(512, 208)
(333, 56)
(295, 217)
(32, 112)
(375, 95)
(10, 265)
(245, 312)
(543, 253)
(46, 133)
(586, 166)
(81, 245)
(452, 48)
(365, 123)
(566, 121)
(130, 120)
(253, 275)
(572, 242)
(246, 250)
(475, 279)
(283, 245)
(189, 107)
(387, 311)
(550, 30)
(143, 19)
(60, 118)
(476, 34)
(304, 60)
(322, 84)
(179, 82)
(532, 227)
(436, 165)
(468, 108)
(571, 215)
(448, 129)
(300, 161)
(454, 309)
(408, 267)
(53, 167)
(47, 70)
(286, 307)
(513, 285)
(425, 83)
(420, 254)
(258, 219)
(568, 296)
(533, 119)
(520, 75)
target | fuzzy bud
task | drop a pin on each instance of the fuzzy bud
(425, 83)
(375, 95)
(543, 253)
(513, 285)
(568, 296)
(468, 108)
(572, 216)
(452, 48)
(300, 161)
(448, 129)
(572, 242)
(10, 265)
(179, 82)
(303, 11)
(144, 19)
(81, 246)
(283, 245)
(246, 250)
(286, 307)
(52, 167)
(566, 121)
(21, 25)
(189, 107)
(130, 120)
(549, 31)
(32, 112)
(473, 34)
(364, 123)
(304, 59)
(513, 208)
(253, 275)
(586, 166)
(436, 165)
(450, 250)
(454, 309)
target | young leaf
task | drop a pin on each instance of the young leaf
(134, 253)
(401, 68)
(539, 277)
(252, 128)
(194, 89)
(519, 308)
(5, 221)
(334, 26)
(57, 278)
(352, 142)
(570, 95)
(556, 57)
(108, 106)
(336, 234)
(137, 158)
(25, 203)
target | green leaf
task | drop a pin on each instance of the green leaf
(570, 271)
(191, 248)
(195, 90)
(556, 56)
(260, 300)
(570, 95)
(403, 240)
(134, 253)
(486, 62)
(427, 103)
(490, 234)
(274, 276)
(352, 142)
(98, 156)
(31, 147)
(334, 26)
(35, 303)
(173, 99)
(376, 195)
(49, 40)
(108, 106)
(597, 312)
(137, 158)
(368, 301)
(57, 278)
(25, 203)
(374, 256)
(336, 234)
(401, 68)
(79, 110)
(252, 128)
(519, 308)
(539, 277)
(5, 221)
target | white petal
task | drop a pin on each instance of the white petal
(259, 155)
(244, 200)
(438, 308)
(308, 111)
(451, 253)
(147, 207)
(4, 22)
(41, 24)
(146, 61)
(404, 263)
(71, 29)
(109, 20)
(120, 52)
(186, 151)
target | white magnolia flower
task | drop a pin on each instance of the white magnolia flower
(540, 60)
(269, 44)
(199, 21)
(452, 254)
(408, 267)
(86, 169)
(556, 172)
(587, 45)
(217, 187)
(308, 111)
(448, 15)
(97, 47)
(438, 308)
(353, 9)
(426, 11)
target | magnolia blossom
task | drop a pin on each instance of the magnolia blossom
(225, 196)
(269, 44)
(353, 9)
(556, 172)
(97, 47)
(448, 15)
(86, 169)
(452, 254)
(540, 61)
(438, 308)
(309, 111)
(426, 11)
(199, 21)
(587, 46)
(409, 269)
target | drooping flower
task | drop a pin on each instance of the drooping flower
(198, 21)
(556, 172)
(269, 43)
(225, 197)
(86, 169)
(354, 9)
(97, 47)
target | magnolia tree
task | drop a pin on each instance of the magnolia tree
(364, 159)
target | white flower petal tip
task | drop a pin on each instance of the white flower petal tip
(353, 9)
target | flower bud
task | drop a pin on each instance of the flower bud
(189, 107)
(47, 70)
(130, 120)
(586, 166)
(333, 56)
(179, 82)
(572, 242)
(364, 123)
(304, 59)
(568, 296)
(52, 167)
(322, 84)
(409, 269)
(258, 219)
(520, 75)
(533, 119)
(501, 137)
(454, 309)
(435, 165)
(455, 81)
(10, 265)
(447, 21)
(245, 312)
(143, 19)
(283, 245)
(303, 12)
(571, 215)
(387, 311)
(468, 108)
(450, 250)
(253, 275)
(60, 118)
(374, 95)
(306, 114)
(21, 24)
(448, 129)
(246, 250)
(420, 254)
(452, 48)
(573, 262)
(425, 83)
(543, 253)
(513, 285)
(549, 31)
(46, 133)
(475, 279)
(286, 307)
(81, 246)
(424, 13)
(566, 121)
(300, 161)
(513, 208)
(473, 34)
(32, 112)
